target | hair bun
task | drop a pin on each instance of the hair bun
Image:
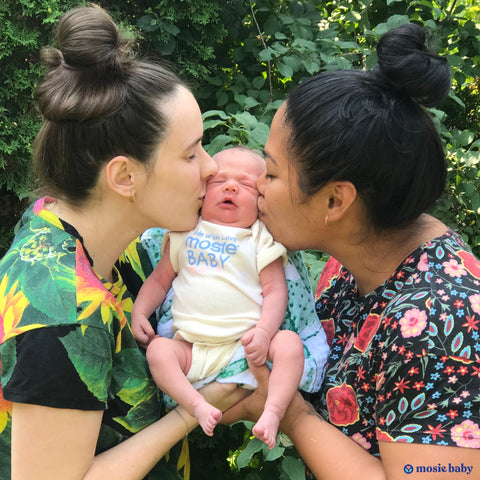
(52, 57)
(87, 70)
(89, 38)
(410, 68)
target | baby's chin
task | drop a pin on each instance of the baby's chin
(224, 223)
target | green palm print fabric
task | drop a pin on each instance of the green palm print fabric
(46, 280)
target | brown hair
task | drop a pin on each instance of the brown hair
(97, 101)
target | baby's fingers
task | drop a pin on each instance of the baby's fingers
(145, 335)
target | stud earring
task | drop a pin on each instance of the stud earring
(132, 197)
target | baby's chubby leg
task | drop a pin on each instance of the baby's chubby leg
(169, 361)
(286, 355)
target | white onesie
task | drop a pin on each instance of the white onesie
(218, 295)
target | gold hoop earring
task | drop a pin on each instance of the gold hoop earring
(326, 220)
(132, 197)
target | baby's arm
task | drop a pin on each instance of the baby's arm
(151, 296)
(275, 297)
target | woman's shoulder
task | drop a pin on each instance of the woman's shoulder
(329, 274)
(46, 279)
(443, 263)
(435, 297)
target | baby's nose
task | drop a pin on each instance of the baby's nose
(230, 187)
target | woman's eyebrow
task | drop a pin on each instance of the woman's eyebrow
(267, 155)
(195, 142)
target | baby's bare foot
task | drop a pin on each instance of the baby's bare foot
(266, 428)
(208, 416)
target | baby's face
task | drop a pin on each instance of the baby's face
(232, 194)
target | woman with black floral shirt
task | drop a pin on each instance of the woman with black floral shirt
(354, 164)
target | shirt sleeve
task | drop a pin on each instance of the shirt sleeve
(268, 250)
(37, 369)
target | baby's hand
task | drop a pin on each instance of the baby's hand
(142, 330)
(256, 343)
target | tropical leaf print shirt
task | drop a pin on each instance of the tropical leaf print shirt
(404, 361)
(64, 334)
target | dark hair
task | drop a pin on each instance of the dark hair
(370, 128)
(97, 101)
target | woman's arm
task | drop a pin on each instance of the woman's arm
(52, 443)
(331, 455)
(328, 453)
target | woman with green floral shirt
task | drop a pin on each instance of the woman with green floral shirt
(120, 137)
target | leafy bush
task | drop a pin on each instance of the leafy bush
(241, 58)
(26, 26)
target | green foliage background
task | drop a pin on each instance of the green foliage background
(241, 58)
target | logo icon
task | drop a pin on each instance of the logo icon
(408, 469)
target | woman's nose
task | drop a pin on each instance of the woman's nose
(261, 183)
(209, 166)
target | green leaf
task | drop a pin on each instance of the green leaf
(294, 468)
(456, 99)
(397, 20)
(306, 44)
(148, 23)
(246, 119)
(346, 45)
(467, 188)
(274, 453)
(170, 28)
(258, 82)
(293, 62)
(213, 113)
(462, 138)
(285, 70)
(266, 55)
(222, 98)
(253, 446)
(260, 133)
(286, 19)
(166, 48)
(207, 124)
(472, 158)
(279, 49)
(249, 102)
(312, 67)
(392, 22)
(218, 144)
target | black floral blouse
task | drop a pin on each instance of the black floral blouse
(404, 361)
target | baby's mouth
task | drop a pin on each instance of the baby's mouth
(228, 201)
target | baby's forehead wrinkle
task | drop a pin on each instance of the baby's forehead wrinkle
(235, 173)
